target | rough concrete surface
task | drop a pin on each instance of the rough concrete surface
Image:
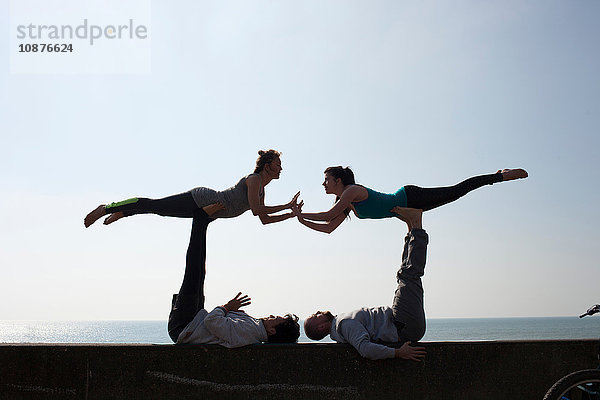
(452, 370)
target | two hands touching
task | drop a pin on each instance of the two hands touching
(296, 206)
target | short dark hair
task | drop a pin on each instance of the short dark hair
(264, 158)
(286, 332)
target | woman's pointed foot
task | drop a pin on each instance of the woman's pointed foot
(512, 174)
(93, 216)
(113, 217)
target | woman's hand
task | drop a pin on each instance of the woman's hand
(294, 200)
(297, 209)
(213, 208)
(237, 302)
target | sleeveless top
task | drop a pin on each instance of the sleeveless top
(235, 198)
(378, 205)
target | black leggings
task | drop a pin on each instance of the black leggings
(190, 299)
(429, 198)
(179, 205)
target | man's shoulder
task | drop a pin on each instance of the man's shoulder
(349, 318)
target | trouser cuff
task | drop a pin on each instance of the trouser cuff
(418, 234)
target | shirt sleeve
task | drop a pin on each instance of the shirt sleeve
(356, 334)
(230, 332)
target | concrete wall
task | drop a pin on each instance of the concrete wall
(466, 370)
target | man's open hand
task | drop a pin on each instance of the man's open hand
(237, 302)
(409, 352)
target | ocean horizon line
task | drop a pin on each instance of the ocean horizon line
(301, 319)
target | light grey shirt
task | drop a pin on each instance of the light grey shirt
(362, 327)
(229, 329)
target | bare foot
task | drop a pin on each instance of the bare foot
(113, 217)
(93, 216)
(412, 216)
(511, 174)
(213, 208)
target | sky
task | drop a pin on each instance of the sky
(403, 92)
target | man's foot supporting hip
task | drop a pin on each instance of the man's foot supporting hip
(412, 216)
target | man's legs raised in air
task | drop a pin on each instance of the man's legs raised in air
(190, 299)
(409, 314)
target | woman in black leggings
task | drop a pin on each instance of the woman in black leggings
(368, 203)
(247, 194)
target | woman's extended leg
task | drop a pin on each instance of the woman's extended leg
(179, 205)
(430, 198)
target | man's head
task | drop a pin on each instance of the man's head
(282, 329)
(318, 325)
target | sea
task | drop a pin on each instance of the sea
(447, 329)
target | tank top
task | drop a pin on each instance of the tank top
(235, 198)
(378, 205)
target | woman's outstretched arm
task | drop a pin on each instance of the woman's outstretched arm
(326, 227)
(256, 202)
(338, 208)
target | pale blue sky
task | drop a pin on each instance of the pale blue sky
(425, 93)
